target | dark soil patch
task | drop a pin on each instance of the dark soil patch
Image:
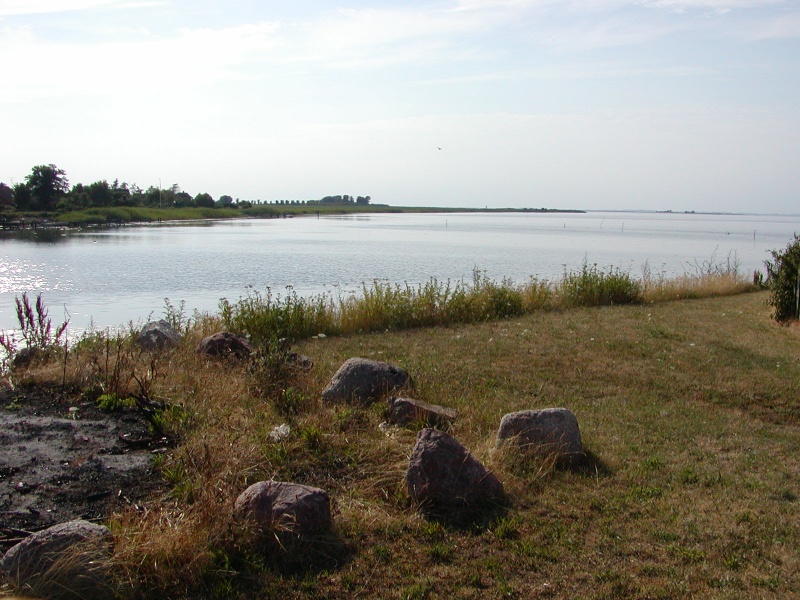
(61, 458)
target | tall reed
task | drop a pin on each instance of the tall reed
(382, 306)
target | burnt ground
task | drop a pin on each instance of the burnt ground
(61, 458)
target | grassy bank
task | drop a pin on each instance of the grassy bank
(689, 408)
(138, 214)
(383, 306)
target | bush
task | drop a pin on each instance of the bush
(783, 280)
(592, 287)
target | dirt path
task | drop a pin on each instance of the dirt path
(62, 459)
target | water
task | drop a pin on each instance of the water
(110, 277)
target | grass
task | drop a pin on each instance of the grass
(689, 409)
(385, 306)
(141, 214)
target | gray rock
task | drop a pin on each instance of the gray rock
(281, 507)
(224, 344)
(301, 362)
(550, 431)
(365, 381)
(406, 411)
(68, 560)
(24, 357)
(157, 335)
(442, 474)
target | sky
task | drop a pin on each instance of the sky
(585, 104)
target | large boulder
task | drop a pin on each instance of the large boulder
(157, 335)
(224, 344)
(365, 381)
(547, 431)
(68, 560)
(442, 475)
(407, 411)
(285, 507)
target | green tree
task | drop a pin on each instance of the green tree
(204, 200)
(225, 200)
(48, 185)
(183, 200)
(22, 197)
(6, 196)
(783, 277)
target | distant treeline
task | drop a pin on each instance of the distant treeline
(47, 189)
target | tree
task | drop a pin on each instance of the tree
(47, 184)
(22, 196)
(204, 200)
(6, 196)
(225, 200)
(100, 193)
(363, 200)
(183, 200)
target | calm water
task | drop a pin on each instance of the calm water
(111, 277)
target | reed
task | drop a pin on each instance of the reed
(140, 214)
(382, 306)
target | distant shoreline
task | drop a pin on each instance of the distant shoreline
(121, 215)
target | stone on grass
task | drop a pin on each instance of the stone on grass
(443, 475)
(285, 507)
(301, 362)
(549, 431)
(224, 344)
(407, 411)
(157, 335)
(68, 560)
(24, 357)
(365, 381)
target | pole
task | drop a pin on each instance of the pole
(797, 297)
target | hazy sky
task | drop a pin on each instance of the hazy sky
(595, 104)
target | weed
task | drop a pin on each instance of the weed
(507, 528)
(113, 403)
(590, 286)
(418, 591)
(35, 327)
(441, 553)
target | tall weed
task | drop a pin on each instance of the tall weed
(589, 286)
(35, 327)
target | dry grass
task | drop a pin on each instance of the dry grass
(688, 409)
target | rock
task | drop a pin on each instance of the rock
(364, 381)
(550, 430)
(224, 344)
(157, 335)
(281, 506)
(442, 474)
(300, 362)
(68, 560)
(24, 357)
(406, 411)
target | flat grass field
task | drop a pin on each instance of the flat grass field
(689, 410)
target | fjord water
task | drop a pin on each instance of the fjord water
(110, 277)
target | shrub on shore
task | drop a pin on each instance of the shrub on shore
(783, 276)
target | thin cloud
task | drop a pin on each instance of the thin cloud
(33, 7)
